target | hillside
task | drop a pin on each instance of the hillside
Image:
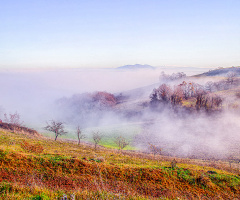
(182, 136)
(38, 168)
(221, 72)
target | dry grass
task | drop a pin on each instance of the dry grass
(66, 168)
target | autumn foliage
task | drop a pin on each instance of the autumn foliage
(30, 173)
(175, 96)
(105, 99)
(32, 148)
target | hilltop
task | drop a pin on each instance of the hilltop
(221, 72)
(135, 67)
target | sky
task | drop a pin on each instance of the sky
(113, 33)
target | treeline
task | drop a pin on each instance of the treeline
(202, 95)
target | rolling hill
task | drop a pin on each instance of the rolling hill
(40, 168)
(221, 72)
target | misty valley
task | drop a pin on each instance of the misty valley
(159, 124)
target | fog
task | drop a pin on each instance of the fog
(42, 95)
(194, 135)
(31, 92)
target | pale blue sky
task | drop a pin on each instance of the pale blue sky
(112, 33)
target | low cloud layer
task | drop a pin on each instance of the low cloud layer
(34, 95)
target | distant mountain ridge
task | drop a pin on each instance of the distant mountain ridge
(135, 67)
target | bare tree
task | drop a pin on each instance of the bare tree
(80, 135)
(177, 96)
(14, 119)
(201, 99)
(208, 101)
(173, 163)
(215, 102)
(56, 127)
(154, 149)
(161, 94)
(121, 142)
(172, 77)
(231, 77)
(209, 86)
(187, 89)
(97, 137)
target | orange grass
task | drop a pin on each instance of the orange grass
(63, 167)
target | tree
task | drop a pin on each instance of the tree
(207, 101)
(97, 137)
(231, 77)
(121, 142)
(80, 135)
(177, 96)
(166, 77)
(186, 88)
(104, 99)
(201, 99)
(154, 97)
(56, 127)
(14, 119)
(154, 149)
(209, 86)
(161, 94)
(213, 102)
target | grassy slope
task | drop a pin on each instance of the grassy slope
(220, 71)
(109, 133)
(66, 168)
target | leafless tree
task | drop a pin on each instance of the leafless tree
(201, 99)
(177, 96)
(56, 127)
(172, 77)
(154, 149)
(188, 89)
(208, 101)
(161, 94)
(97, 137)
(14, 119)
(80, 135)
(121, 142)
(231, 77)
(209, 86)
(215, 101)
(174, 163)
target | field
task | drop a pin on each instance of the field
(109, 133)
(41, 168)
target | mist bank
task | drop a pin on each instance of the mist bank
(33, 92)
(102, 97)
(192, 135)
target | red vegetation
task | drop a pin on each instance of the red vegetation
(104, 98)
(18, 129)
(32, 148)
(73, 174)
